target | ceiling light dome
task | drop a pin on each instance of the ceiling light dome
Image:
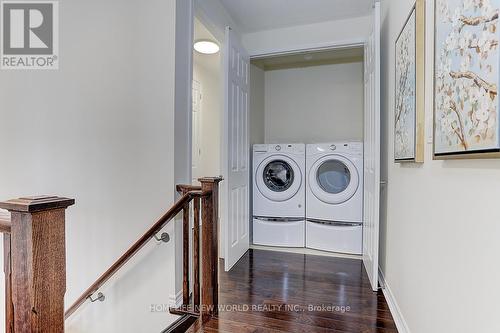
(206, 46)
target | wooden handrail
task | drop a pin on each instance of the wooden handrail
(186, 188)
(169, 215)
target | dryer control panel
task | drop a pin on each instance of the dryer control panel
(352, 148)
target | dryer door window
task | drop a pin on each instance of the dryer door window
(333, 179)
(333, 176)
(278, 176)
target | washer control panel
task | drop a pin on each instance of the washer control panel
(354, 148)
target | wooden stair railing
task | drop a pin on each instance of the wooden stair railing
(205, 296)
(139, 244)
(34, 240)
(185, 248)
(208, 193)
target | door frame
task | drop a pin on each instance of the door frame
(334, 45)
(338, 45)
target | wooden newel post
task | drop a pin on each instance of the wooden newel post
(38, 263)
(210, 246)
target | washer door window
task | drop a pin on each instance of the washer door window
(278, 178)
(333, 179)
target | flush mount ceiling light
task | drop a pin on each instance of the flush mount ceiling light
(206, 46)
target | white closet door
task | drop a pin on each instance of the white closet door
(372, 151)
(236, 151)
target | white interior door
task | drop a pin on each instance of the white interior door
(372, 150)
(196, 151)
(236, 151)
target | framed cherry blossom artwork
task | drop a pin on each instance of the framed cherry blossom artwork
(466, 77)
(409, 99)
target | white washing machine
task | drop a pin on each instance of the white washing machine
(334, 197)
(279, 195)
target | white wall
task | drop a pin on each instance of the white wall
(182, 115)
(101, 130)
(440, 230)
(306, 36)
(208, 73)
(257, 105)
(314, 104)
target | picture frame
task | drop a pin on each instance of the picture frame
(409, 103)
(466, 76)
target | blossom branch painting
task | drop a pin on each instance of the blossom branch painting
(405, 103)
(466, 76)
(409, 104)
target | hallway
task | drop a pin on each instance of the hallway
(270, 291)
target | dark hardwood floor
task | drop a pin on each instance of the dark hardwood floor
(269, 291)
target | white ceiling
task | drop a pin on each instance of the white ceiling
(257, 15)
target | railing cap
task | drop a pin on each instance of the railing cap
(36, 204)
(211, 179)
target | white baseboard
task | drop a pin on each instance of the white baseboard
(305, 251)
(399, 320)
(176, 300)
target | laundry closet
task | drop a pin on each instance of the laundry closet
(306, 130)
